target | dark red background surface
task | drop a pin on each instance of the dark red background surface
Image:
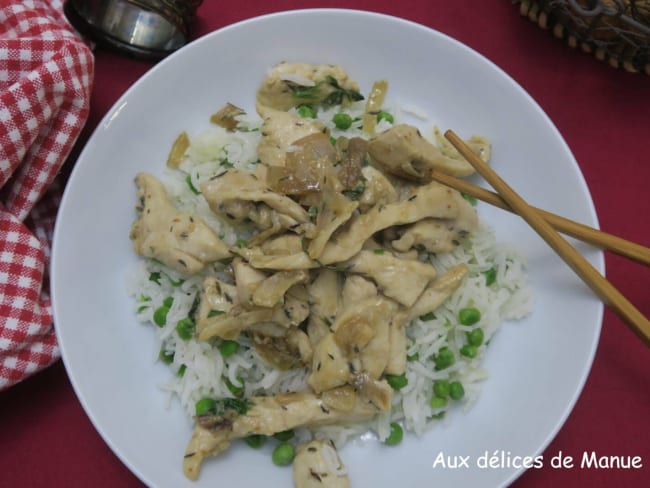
(604, 115)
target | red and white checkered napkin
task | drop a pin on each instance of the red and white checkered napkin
(46, 74)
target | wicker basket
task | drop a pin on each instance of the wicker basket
(615, 31)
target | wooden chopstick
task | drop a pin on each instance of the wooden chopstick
(603, 240)
(599, 285)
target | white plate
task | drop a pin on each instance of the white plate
(538, 366)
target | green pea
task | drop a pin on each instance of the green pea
(441, 388)
(444, 358)
(438, 402)
(456, 390)
(306, 111)
(256, 440)
(342, 121)
(235, 390)
(413, 357)
(204, 405)
(469, 316)
(385, 116)
(185, 328)
(228, 348)
(475, 337)
(160, 316)
(397, 382)
(283, 454)
(490, 276)
(468, 351)
(284, 436)
(166, 357)
(396, 435)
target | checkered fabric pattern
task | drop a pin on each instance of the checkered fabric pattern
(46, 73)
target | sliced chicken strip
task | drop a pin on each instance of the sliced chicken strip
(400, 279)
(403, 151)
(435, 294)
(267, 416)
(179, 240)
(238, 185)
(279, 130)
(318, 465)
(431, 200)
(291, 84)
(324, 300)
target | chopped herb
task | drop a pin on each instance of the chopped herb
(312, 211)
(385, 116)
(490, 276)
(284, 436)
(215, 313)
(379, 251)
(168, 302)
(241, 243)
(340, 94)
(181, 371)
(227, 164)
(427, 316)
(188, 180)
(471, 199)
(219, 406)
(155, 277)
(413, 357)
(235, 390)
(356, 192)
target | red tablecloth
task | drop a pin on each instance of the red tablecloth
(604, 114)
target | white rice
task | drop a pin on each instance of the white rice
(205, 370)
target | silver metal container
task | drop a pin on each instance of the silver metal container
(146, 29)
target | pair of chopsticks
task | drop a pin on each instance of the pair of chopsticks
(546, 225)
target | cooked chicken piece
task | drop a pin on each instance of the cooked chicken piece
(324, 300)
(379, 392)
(226, 117)
(270, 292)
(231, 324)
(247, 279)
(400, 279)
(179, 240)
(272, 322)
(437, 292)
(238, 185)
(291, 84)
(353, 157)
(342, 398)
(290, 351)
(356, 289)
(375, 312)
(431, 200)
(279, 131)
(289, 262)
(217, 298)
(378, 189)
(396, 364)
(309, 162)
(267, 416)
(479, 144)
(318, 465)
(403, 151)
(330, 367)
(335, 210)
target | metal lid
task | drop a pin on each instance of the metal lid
(146, 29)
